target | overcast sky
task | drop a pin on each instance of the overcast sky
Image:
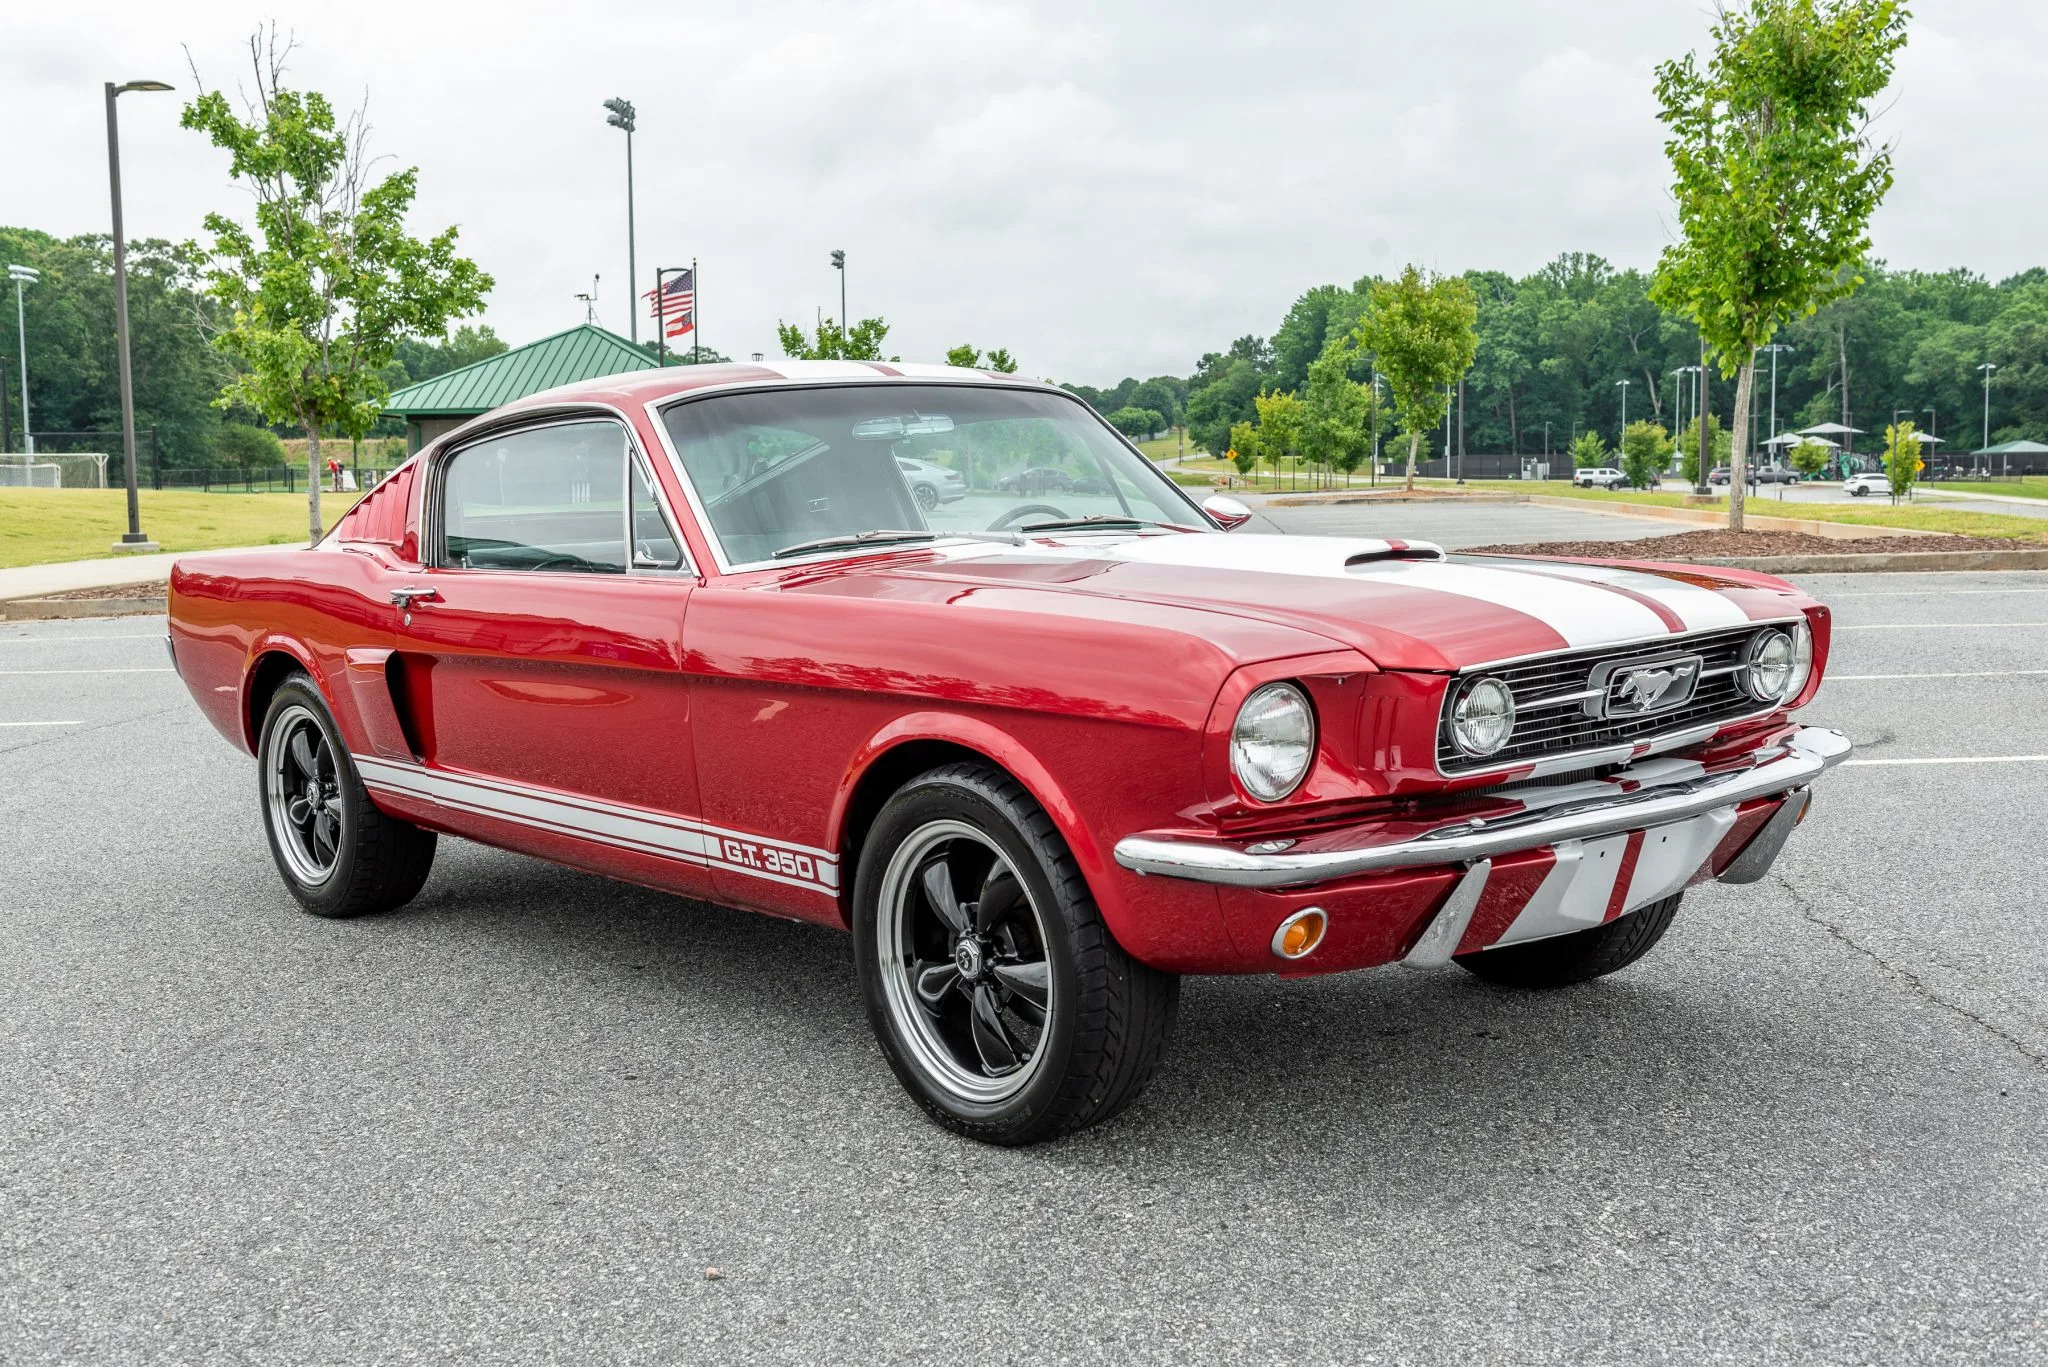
(1104, 188)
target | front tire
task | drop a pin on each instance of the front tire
(1578, 957)
(339, 855)
(998, 996)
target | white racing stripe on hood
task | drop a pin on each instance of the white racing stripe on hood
(1583, 614)
(1699, 608)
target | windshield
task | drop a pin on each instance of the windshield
(785, 468)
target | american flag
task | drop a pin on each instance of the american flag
(675, 303)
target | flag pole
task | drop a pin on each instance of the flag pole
(696, 314)
(660, 321)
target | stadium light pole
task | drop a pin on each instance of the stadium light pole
(1774, 348)
(1986, 369)
(1624, 415)
(22, 276)
(132, 539)
(622, 116)
(839, 264)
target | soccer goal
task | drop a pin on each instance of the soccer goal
(16, 475)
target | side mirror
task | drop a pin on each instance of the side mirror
(1228, 513)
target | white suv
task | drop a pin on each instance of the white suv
(1599, 477)
(1867, 483)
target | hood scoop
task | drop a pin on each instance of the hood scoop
(1395, 550)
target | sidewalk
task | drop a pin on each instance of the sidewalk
(37, 581)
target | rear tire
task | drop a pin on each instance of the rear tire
(1579, 957)
(998, 996)
(338, 854)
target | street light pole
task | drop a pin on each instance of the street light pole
(24, 275)
(1624, 414)
(839, 264)
(1987, 369)
(132, 539)
(622, 116)
(1774, 348)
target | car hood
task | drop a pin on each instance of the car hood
(1404, 605)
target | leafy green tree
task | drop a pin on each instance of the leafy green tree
(1809, 458)
(1001, 361)
(1137, 423)
(239, 444)
(1718, 444)
(966, 357)
(1337, 433)
(1902, 463)
(318, 296)
(862, 342)
(1645, 453)
(1282, 419)
(1421, 331)
(1215, 407)
(1163, 394)
(1243, 450)
(1774, 174)
(1589, 452)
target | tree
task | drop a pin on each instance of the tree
(1243, 451)
(1421, 331)
(1337, 432)
(1774, 175)
(1001, 361)
(1718, 443)
(1809, 458)
(1137, 423)
(1645, 453)
(1902, 463)
(321, 292)
(1589, 452)
(964, 356)
(1281, 420)
(1227, 399)
(862, 342)
(239, 444)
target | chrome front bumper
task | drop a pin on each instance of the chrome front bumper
(1798, 760)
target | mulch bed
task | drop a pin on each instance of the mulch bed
(1721, 544)
(159, 591)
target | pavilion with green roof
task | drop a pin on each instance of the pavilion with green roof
(584, 352)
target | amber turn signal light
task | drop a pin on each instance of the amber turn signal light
(1300, 933)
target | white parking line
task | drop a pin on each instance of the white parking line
(1977, 674)
(41, 723)
(1938, 626)
(72, 640)
(1953, 759)
(158, 669)
(1922, 593)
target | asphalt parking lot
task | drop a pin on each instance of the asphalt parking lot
(517, 1121)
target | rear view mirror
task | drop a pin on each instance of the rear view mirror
(911, 425)
(1228, 513)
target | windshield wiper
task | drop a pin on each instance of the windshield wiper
(831, 543)
(889, 536)
(1096, 520)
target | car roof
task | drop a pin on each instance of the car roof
(638, 387)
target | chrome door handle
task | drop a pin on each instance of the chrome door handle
(406, 597)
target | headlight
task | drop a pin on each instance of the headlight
(1483, 717)
(1273, 741)
(1775, 665)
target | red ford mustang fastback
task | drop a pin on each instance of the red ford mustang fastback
(1043, 743)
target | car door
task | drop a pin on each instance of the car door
(539, 651)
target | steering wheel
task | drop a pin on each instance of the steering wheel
(1018, 514)
(561, 562)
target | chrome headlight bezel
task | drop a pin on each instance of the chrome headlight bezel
(1497, 717)
(1273, 741)
(1782, 665)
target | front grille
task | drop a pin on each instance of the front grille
(1543, 732)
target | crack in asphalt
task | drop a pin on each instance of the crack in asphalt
(1907, 976)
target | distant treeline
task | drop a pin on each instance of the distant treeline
(1555, 345)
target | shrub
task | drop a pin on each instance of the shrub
(1589, 451)
(1645, 452)
(239, 444)
(1809, 458)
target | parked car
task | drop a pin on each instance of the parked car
(1599, 477)
(689, 628)
(1773, 474)
(932, 484)
(1868, 483)
(1041, 479)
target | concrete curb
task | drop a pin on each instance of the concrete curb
(1353, 496)
(1897, 562)
(50, 609)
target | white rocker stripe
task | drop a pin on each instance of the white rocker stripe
(638, 829)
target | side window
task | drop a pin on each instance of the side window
(655, 546)
(549, 498)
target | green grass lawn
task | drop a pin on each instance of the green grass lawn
(39, 526)
(1925, 517)
(2027, 486)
